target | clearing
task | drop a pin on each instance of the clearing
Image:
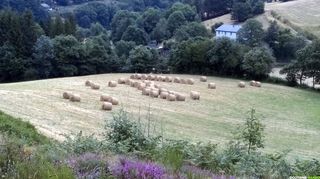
(291, 116)
(298, 15)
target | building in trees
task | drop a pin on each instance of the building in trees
(227, 30)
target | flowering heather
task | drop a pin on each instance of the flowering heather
(87, 165)
(129, 169)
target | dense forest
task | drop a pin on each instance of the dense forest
(139, 36)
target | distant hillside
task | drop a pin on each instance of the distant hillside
(299, 16)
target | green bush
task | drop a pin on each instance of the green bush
(22, 130)
(81, 144)
(126, 136)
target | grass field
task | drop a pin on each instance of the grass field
(291, 116)
(295, 15)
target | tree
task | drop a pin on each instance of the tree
(68, 53)
(149, 19)
(70, 25)
(141, 60)
(121, 21)
(12, 67)
(187, 11)
(252, 133)
(258, 62)
(160, 32)
(100, 56)
(191, 30)
(226, 57)
(43, 54)
(191, 56)
(135, 34)
(251, 33)
(175, 21)
(241, 11)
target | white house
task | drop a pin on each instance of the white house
(229, 31)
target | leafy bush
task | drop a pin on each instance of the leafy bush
(14, 127)
(81, 144)
(125, 135)
(309, 168)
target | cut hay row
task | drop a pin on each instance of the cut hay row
(146, 84)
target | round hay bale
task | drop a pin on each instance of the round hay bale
(152, 78)
(163, 95)
(257, 84)
(195, 95)
(242, 84)
(88, 83)
(107, 106)
(75, 98)
(212, 86)
(168, 79)
(177, 80)
(157, 86)
(149, 83)
(132, 83)
(121, 81)
(112, 84)
(203, 79)
(190, 81)
(95, 86)
(139, 76)
(132, 76)
(141, 86)
(114, 101)
(154, 93)
(172, 92)
(171, 97)
(252, 83)
(144, 77)
(128, 81)
(106, 98)
(183, 81)
(136, 84)
(66, 95)
(180, 97)
(146, 91)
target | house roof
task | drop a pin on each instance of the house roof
(229, 28)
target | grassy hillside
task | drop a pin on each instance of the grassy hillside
(291, 115)
(299, 16)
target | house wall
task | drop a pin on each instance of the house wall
(230, 35)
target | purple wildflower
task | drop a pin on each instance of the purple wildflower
(130, 169)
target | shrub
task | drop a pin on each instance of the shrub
(125, 135)
(82, 144)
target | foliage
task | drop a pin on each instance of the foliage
(142, 60)
(251, 33)
(258, 62)
(125, 136)
(252, 133)
(80, 144)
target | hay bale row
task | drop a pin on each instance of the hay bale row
(161, 78)
(71, 97)
(255, 84)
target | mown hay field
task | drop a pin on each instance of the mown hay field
(291, 116)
